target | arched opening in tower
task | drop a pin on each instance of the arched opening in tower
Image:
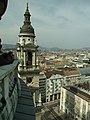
(30, 58)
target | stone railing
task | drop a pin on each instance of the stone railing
(9, 90)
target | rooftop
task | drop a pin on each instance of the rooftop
(79, 93)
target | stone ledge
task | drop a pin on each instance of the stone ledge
(25, 108)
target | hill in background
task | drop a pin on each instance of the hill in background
(8, 46)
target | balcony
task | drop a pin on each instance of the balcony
(16, 102)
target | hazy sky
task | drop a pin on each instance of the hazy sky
(57, 23)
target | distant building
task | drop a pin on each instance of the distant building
(42, 86)
(53, 86)
(55, 79)
(84, 71)
(74, 104)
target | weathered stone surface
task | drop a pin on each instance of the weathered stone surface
(21, 116)
(25, 108)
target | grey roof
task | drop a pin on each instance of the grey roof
(84, 71)
(27, 28)
(25, 108)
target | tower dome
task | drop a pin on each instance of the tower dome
(27, 29)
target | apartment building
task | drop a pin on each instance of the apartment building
(74, 104)
(57, 78)
(53, 86)
(42, 86)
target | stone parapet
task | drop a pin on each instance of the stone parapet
(9, 90)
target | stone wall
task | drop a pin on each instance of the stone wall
(9, 90)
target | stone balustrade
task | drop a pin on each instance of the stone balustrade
(9, 90)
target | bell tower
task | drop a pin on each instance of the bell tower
(28, 69)
(27, 48)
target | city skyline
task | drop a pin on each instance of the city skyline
(61, 23)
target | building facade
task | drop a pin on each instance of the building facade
(42, 86)
(74, 104)
(53, 86)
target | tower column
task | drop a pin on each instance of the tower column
(18, 54)
(24, 58)
(33, 60)
(37, 62)
(21, 52)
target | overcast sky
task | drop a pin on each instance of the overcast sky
(57, 23)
